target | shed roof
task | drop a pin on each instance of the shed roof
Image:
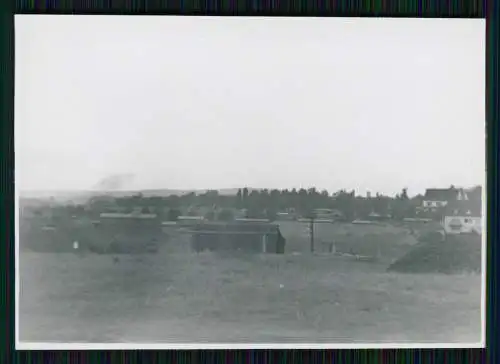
(118, 215)
(236, 227)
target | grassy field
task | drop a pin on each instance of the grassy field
(386, 242)
(212, 298)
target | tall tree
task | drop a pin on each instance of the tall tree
(245, 196)
(239, 198)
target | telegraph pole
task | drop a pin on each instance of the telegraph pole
(311, 232)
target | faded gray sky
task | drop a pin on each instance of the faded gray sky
(190, 102)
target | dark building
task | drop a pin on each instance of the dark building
(251, 237)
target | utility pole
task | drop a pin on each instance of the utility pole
(311, 233)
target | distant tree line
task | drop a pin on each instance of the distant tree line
(258, 203)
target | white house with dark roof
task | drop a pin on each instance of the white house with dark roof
(464, 213)
(435, 198)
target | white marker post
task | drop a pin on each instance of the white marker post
(264, 244)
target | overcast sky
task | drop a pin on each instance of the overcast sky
(191, 102)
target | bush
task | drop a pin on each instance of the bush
(210, 216)
(226, 215)
(432, 237)
(173, 215)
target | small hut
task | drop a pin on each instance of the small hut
(251, 237)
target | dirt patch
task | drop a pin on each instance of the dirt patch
(459, 253)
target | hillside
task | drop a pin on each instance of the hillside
(459, 253)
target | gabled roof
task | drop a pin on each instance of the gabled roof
(440, 194)
(470, 207)
(475, 193)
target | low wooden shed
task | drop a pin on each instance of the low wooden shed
(252, 237)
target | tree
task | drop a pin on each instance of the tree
(401, 206)
(192, 211)
(380, 204)
(137, 199)
(275, 200)
(362, 206)
(271, 214)
(239, 198)
(210, 215)
(173, 215)
(264, 200)
(157, 202)
(173, 201)
(302, 203)
(345, 202)
(226, 215)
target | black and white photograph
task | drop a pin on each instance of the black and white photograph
(249, 182)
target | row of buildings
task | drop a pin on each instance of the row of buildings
(455, 206)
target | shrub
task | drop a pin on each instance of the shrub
(226, 215)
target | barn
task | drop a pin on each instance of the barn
(251, 237)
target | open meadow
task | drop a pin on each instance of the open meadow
(213, 298)
(386, 242)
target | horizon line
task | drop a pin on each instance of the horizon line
(190, 190)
